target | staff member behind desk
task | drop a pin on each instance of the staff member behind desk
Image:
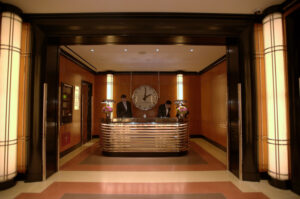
(164, 109)
(124, 107)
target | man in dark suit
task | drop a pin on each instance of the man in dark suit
(164, 109)
(124, 107)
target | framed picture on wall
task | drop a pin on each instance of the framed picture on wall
(66, 103)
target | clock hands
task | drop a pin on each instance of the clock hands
(148, 96)
(144, 98)
(145, 94)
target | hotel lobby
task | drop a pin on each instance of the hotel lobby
(149, 99)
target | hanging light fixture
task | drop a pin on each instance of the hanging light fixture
(10, 50)
(276, 96)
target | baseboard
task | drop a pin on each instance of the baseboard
(95, 136)
(69, 150)
(7, 184)
(210, 141)
(196, 136)
(264, 175)
(20, 177)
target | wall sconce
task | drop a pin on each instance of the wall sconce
(276, 96)
(179, 86)
(11, 26)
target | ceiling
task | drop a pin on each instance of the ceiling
(188, 6)
(146, 57)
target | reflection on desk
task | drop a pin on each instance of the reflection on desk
(144, 136)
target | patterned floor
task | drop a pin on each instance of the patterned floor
(92, 160)
(86, 174)
(197, 190)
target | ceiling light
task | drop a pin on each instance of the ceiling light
(191, 50)
(125, 50)
(157, 50)
(92, 50)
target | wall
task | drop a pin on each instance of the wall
(73, 74)
(261, 99)
(213, 104)
(24, 94)
(167, 89)
(206, 97)
(100, 95)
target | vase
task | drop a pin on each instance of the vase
(180, 117)
(108, 119)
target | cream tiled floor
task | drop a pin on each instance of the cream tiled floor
(154, 177)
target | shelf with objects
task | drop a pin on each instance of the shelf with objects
(66, 103)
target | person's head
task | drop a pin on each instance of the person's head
(123, 98)
(168, 104)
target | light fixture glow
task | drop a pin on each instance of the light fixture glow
(179, 87)
(11, 25)
(276, 96)
(76, 98)
(110, 88)
(110, 39)
(92, 50)
(125, 50)
(191, 50)
(157, 50)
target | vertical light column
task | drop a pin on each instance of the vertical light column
(179, 86)
(110, 89)
(276, 96)
(10, 44)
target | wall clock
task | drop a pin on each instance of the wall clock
(144, 97)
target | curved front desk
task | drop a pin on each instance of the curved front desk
(144, 137)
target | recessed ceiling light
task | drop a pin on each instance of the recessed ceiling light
(157, 50)
(92, 50)
(191, 50)
(125, 50)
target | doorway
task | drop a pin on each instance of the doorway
(86, 111)
(234, 31)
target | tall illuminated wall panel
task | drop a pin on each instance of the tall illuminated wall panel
(276, 96)
(110, 88)
(179, 87)
(11, 25)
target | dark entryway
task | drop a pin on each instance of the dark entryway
(86, 111)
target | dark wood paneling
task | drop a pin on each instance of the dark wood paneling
(249, 125)
(233, 114)
(51, 78)
(293, 55)
(141, 28)
(34, 155)
(86, 111)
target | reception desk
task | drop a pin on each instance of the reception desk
(144, 136)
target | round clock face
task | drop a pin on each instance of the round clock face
(144, 97)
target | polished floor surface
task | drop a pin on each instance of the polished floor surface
(92, 160)
(86, 174)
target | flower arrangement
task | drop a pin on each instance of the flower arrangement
(107, 109)
(182, 110)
